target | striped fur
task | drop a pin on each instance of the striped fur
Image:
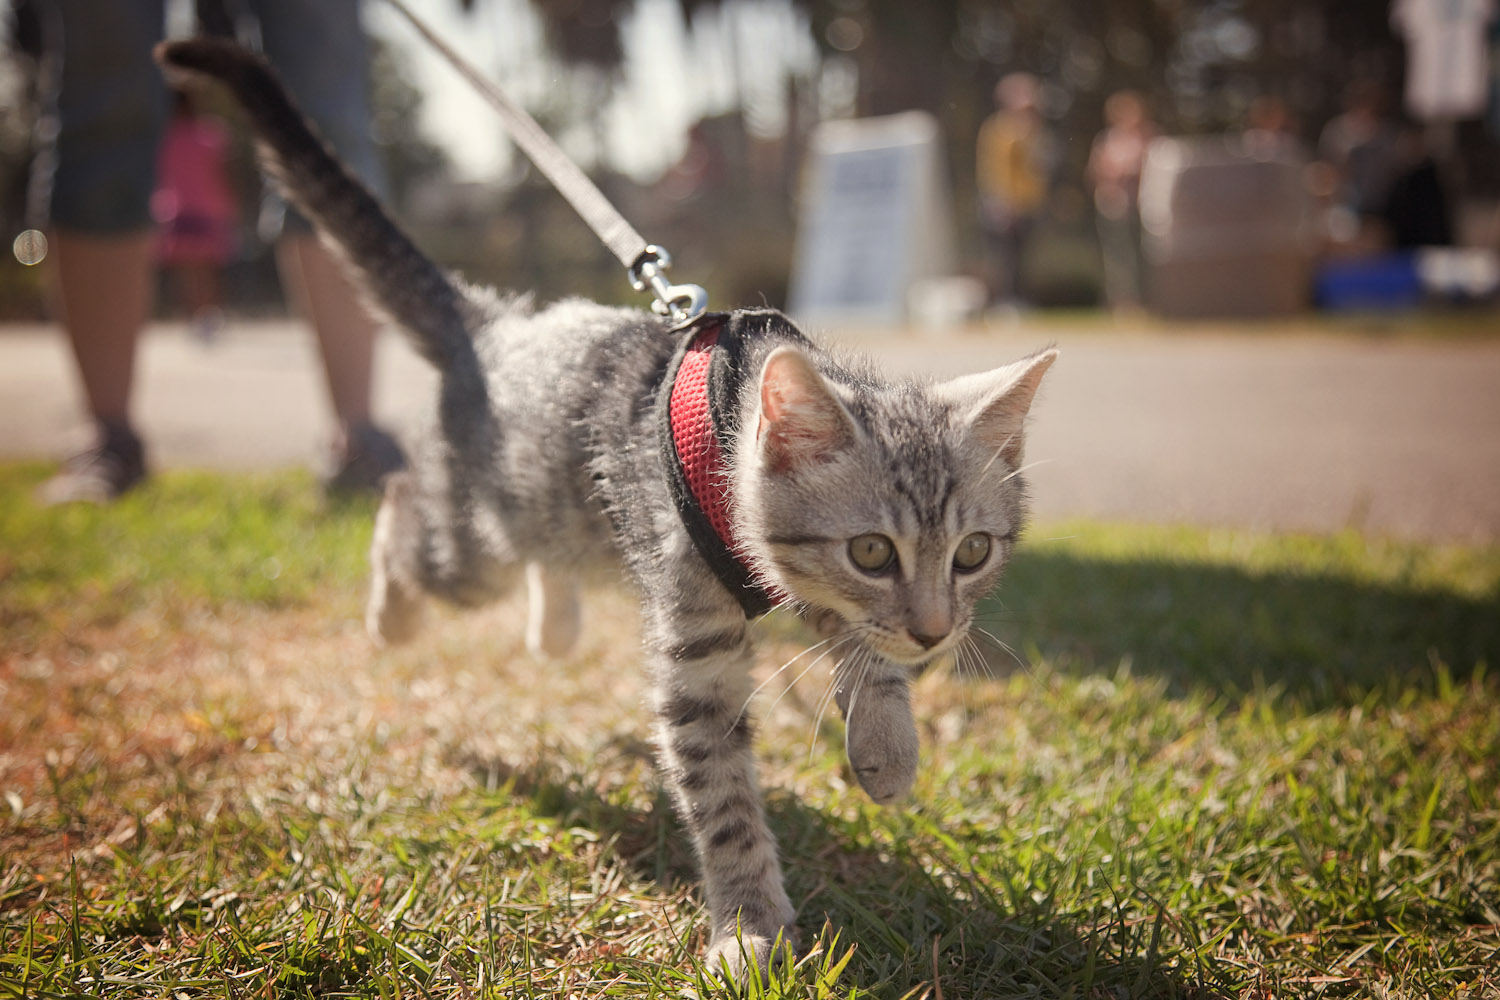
(538, 461)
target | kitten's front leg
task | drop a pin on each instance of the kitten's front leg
(880, 734)
(702, 693)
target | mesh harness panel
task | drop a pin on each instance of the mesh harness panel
(699, 392)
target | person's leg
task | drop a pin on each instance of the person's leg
(1118, 259)
(103, 286)
(321, 53)
(1016, 257)
(198, 282)
(323, 293)
(365, 454)
(109, 109)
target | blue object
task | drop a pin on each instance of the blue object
(1389, 281)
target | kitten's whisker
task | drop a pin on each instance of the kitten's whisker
(966, 667)
(860, 677)
(1016, 472)
(1020, 662)
(969, 656)
(1000, 451)
(837, 640)
(996, 456)
(775, 673)
(822, 707)
(857, 663)
(789, 604)
(843, 640)
(817, 719)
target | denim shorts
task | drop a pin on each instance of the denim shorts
(109, 103)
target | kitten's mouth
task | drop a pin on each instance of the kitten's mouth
(920, 654)
(916, 655)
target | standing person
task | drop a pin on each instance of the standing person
(196, 214)
(1359, 147)
(1114, 170)
(1270, 131)
(109, 110)
(1013, 173)
(1418, 205)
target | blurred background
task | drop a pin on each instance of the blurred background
(1169, 157)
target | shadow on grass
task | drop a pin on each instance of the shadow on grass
(915, 912)
(924, 919)
(1319, 639)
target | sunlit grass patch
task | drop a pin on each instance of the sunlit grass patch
(1234, 765)
(184, 540)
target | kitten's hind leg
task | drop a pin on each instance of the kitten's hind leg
(553, 614)
(394, 611)
(433, 540)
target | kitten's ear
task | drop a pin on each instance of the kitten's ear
(995, 403)
(801, 420)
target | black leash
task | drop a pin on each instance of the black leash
(645, 263)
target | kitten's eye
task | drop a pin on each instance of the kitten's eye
(972, 551)
(872, 553)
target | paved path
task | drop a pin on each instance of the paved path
(1257, 430)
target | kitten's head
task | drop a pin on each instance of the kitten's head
(892, 506)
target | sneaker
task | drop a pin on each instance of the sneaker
(116, 464)
(369, 456)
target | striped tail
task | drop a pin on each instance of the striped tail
(414, 292)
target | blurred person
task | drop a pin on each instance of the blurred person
(1359, 146)
(195, 210)
(1270, 133)
(1417, 209)
(1013, 175)
(110, 109)
(1114, 171)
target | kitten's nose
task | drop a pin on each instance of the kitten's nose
(924, 640)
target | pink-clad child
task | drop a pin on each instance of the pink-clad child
(195, 210)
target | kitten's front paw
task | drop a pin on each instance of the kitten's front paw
(886, 767)
(881, 739)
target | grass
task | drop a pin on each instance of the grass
(1232, 766)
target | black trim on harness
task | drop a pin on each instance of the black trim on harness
(727, 371)
(731, 571)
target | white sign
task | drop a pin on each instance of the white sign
(875, 218)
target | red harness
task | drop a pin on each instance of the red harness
(694, 437)
(700, 386)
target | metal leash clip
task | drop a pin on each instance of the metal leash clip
(680, 303)
(644, 263)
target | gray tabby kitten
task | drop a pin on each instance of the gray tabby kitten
(881, 509)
